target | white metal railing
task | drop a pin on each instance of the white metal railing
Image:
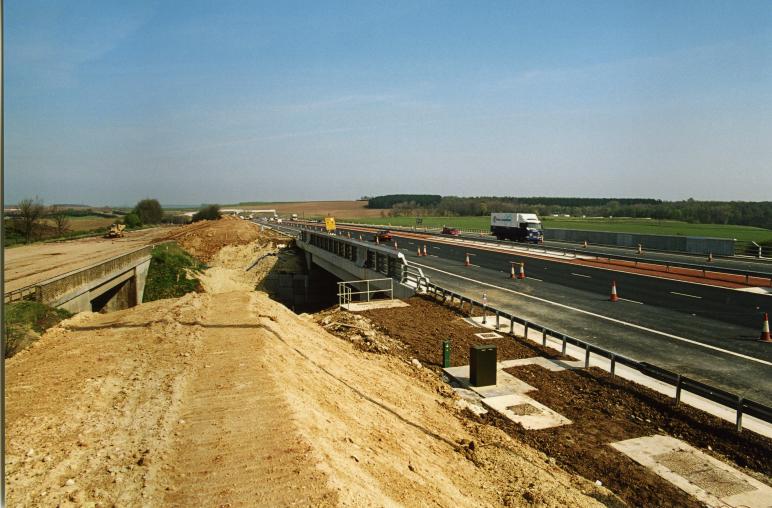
(346, 290)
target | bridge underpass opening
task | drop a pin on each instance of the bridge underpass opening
(299, 287)
(119, 297)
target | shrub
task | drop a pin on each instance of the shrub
(132, 220)
(149, 211)
(208, 212)
(24, 321)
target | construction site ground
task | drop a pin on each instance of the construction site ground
(603, 409)
(29, 264)
(227, 398)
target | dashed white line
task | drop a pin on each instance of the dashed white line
(684, 294)
(613, 320)
(631, 301)
(581, 275)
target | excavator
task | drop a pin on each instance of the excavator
(115, 231)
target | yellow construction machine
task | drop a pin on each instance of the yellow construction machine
(115, 231)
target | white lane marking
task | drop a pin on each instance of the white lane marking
(582, 275)
(534, 278)
(684, 294)
(613, 320)
(631, 301)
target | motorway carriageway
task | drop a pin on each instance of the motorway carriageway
(695, 326)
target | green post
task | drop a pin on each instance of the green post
(446, 353)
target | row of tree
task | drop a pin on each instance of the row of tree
(28, 221)
(746, 213)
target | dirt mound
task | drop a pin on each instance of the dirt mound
(358, 330)
(205, 239)
(231, 399)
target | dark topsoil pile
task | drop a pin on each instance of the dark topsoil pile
(603, 409)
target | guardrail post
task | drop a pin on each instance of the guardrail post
(613, 364)
(563, 350)
(525, 331)
(739, 414)
(511, 325)
(544, 337)
(587, 356)
(678, 390)
(497, 320)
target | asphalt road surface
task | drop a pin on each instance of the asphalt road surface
(698, 328)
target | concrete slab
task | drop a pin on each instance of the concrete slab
(375, 304)
(487, 335)
(470, 400)
(714, 408)
(505, 383)
(708, 479)
(551, 365)
(532, 415)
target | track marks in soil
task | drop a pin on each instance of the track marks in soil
(236, 440)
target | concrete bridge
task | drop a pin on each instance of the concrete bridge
(115, 284)
(350, 259)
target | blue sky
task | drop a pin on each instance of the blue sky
(190, 102)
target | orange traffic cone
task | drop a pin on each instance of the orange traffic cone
(512, 271)
(765, 336)
(521, 274)
(467, 262)
(614, 296)
(425, 253)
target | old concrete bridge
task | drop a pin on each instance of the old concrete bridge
(114, 284)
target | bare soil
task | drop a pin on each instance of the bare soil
(229, 399)
(28, 264)
(424, 325)
(603, 409)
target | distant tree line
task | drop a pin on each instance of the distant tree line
(744, 213)
(419, 200)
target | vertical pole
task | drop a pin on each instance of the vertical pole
(497, 320)
(525, 332)
(613, 364)
(511, 325)
(368, 290)
(678, 391)
(563, 350)
(544, 337)
(587, 356)
(739, 414)
(446, 353)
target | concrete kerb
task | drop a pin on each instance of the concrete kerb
(560, 342)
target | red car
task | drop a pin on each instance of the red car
(451, 231)
(384, 235)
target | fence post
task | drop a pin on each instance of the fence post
(497, 320)
(544, 337)
(587, 356)
(678, 390)
(739, 413)
(525, 332)
(613, 363)
(563, 350)
(511, 325)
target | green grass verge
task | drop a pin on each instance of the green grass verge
(171, 273)
(643, 226)
(25, 321)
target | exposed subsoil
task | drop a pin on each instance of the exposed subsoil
(603, 409)
(227, 398)
(424, 325)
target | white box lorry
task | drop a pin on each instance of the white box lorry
(518, 227)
